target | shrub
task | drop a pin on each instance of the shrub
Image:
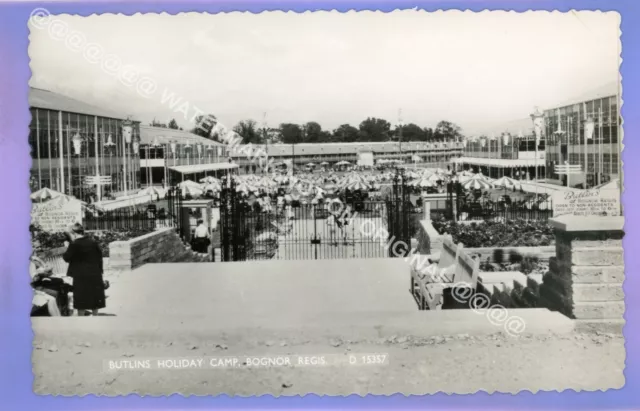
(511, 233)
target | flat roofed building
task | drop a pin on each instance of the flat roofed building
(435, 154)
(169, 155)
(585, 131)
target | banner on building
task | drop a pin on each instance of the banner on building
(56, 215)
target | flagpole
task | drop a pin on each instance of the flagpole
(600, 165)
(586, 147)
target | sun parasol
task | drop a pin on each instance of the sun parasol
(357, 185)
(45, 194)
(215, 187)
(422, 183)
(209, 179)
(189, 183)
(190, 190)
(506, 182)
(343, 163)
(435, 178)
(477, 184)
(243, 187)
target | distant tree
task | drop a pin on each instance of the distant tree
(204, 125)
(326, 136)
(290, 133)
(448, 131)
(173, 124)
(412, 132)
(374, 129)
(345, 134)
(428, 134)
(248, 130)
(312, 132)
(155, 123)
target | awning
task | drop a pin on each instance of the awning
(201, 168)
(499, 162)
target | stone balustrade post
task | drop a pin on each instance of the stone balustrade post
(585, 278)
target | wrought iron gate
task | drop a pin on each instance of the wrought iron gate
(358, 228)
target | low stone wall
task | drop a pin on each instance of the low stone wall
(161, 246)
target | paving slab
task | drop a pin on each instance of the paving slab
(266, 289)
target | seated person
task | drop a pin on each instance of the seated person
(42, 297)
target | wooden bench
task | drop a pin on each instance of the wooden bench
(454, 267)
(53, 259)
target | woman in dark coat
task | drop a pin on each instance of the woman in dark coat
(85, 267)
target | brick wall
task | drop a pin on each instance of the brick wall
(585, 278)
(161, 246)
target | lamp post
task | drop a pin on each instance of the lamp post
(589, 126)
(538, 124)
(127, 131)
(76, 140)
(558, 134)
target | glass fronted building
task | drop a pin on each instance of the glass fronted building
(508, 149)
(81, 150)
(169, 156)
(585, 132)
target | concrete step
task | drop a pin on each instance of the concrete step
(603, 326)
(510, 278)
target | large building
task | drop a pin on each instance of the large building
(585, 131)
(169, 156)
(80, 149)
(582, 132)
(507, 149)
(96, 154)
(426, 154)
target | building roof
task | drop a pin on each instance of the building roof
(606, 90)
(200, 168)
(312, 149)
(498, 162)
(150, 134)
(45, 99)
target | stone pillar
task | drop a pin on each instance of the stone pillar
(426, 206)
(585, 278)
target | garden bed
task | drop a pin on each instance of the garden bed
(510, 233)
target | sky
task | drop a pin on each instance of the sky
(474, 69)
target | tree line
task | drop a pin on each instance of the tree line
(370, 130)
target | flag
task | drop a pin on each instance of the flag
(538, 125)
(589, 127)
(505, 139)
(126, 132)
(483, 142)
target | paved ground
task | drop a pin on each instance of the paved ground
(268, 289)
(325, 307)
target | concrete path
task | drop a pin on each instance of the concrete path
(269, 289)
